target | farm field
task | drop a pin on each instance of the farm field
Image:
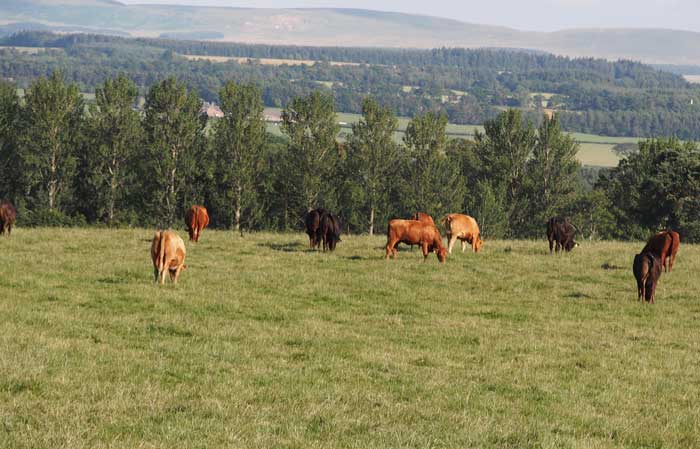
(265, 343)
(595, 150)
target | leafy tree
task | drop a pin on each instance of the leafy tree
(51, 132)
(9, 127)
(373, 156)
(433, 181)
(115, 137)
(173, 124)
(311, 125)
(239, 139)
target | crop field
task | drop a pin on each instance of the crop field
(265, 343)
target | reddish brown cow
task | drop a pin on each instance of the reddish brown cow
(422, 216)
(675, 244)
(168, 254)
(8, 214)
(662, 246)
(464, 228)
(413, 232)
(196, 220)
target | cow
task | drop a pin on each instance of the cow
(661, 245)
(422, 216)
(561, 231)
(414, 232)
(313, 224)
(8, 214)
(196, 220)
(168, 254)
(464, 228)
(647, 270)
(675, 244)
(329, 231)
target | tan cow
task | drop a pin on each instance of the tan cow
(413, 232)
(464, 228)
(168, 254)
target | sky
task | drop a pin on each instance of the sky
(536, 15)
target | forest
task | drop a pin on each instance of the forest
(108, 163)
(621, 98)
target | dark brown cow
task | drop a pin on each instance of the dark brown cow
(662, 245)
(647, 271)
(561, 231)
(168, 255)
(415, 232)
(313, 226)
(329, 231)
(8, 214)
(196, 220)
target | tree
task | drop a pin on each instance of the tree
(116, 135)
(9, 125)
(174, 125)
(551, 175)
(239, 139)
(373, 156)
(51, 131)
(311, 125)
(433, 182)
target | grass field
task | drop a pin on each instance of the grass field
(265, 343)
(263, 61)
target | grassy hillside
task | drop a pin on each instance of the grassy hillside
(267, 344)
(342, 27)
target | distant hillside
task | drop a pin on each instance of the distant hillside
(339, 27)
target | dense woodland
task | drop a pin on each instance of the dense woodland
(469, 86)
(67, 163)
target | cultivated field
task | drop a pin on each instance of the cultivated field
(265, 343)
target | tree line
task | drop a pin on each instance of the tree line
(620, 98)
(109, 163)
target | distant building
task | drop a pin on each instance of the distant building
(212, 110)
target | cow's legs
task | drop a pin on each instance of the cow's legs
(390, 250)
(453, 239)
(464, 245)
(155, 275)
(425, 251)
(551, 246)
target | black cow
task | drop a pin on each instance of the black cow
(329, 231)
(561, 231)
(313, 225)
(647, 271)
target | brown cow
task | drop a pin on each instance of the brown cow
(464, 228)
(422, 216)
(662, 246)
(647, 270)
(196, 220)
(675, 244)
(313, 226)
(8, 214)
(414, 232)
(168, 254)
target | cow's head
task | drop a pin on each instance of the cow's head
(478, 244)
(570, 244)
(441, 254)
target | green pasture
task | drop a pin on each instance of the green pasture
(267, 344)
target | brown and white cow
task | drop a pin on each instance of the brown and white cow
(464, 228)
(196, 219)
(168, 254)
(8, 214)
(413, 232)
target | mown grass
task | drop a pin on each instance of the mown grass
(265, 343)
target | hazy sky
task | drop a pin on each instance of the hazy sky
(545, 15)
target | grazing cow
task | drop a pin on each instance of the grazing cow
(675, 244)
(561, 231)
(422, 216)
(168, 254)
(329, 231)
(464, 228)
(196, 220)
(313, 224)
(647, 270)
(662, 246)
(8, 214)
(414, 232)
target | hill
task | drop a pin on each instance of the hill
(339, 27)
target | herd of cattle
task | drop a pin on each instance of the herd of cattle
(323, 228)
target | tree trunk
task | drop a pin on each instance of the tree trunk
(371, 221)
(237, 212)
(53, 183)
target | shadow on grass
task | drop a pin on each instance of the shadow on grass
(577, 295)
(289, 247)
(609, 266)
